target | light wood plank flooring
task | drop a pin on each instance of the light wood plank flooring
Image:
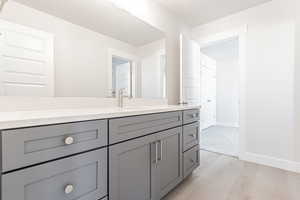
(226, 178)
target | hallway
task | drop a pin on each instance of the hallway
(220, 139)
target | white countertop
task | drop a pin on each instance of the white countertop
(20, 119)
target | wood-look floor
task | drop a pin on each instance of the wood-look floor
(226, 178)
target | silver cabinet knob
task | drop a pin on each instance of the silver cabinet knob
(193, 136)
(69, 189)
(69, 140)
(194, 115)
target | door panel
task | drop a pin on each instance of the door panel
(26, 61)
(208, 97)
(130, 170)
(168, 173)
(191, 160)
(190, 71)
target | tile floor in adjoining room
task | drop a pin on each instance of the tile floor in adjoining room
(220, 139)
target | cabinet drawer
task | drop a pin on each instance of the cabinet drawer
(82, 177)
(190, 135)
(122, 129)
(191, 161)
(28, 146)
(190, 116)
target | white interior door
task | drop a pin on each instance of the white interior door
(123, 77)
(26, 61)
(190, 71)
(208, 95)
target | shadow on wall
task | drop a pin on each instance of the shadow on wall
(2, 3)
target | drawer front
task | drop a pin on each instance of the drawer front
(190, 116)
(82, 177)
(28, 146)
(190, 135)
(122, 129)
(191, 161)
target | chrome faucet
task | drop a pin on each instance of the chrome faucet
(121, 97)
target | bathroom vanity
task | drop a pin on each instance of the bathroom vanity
(128, 155)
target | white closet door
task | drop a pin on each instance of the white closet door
(190, 71)
(26, 61)
(208, 93)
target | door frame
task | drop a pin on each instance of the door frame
(241, 33)
(134, 62)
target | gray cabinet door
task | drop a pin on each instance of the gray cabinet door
(191, 160)
(121, 129)
(29, 146)
(81, 177)
(130, 169)
(168, 173)
(190, 136)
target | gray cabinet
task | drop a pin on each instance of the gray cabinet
(190, 116)
(131, 165)
(141, 158)
(121, 129)
(29, 146)
(190, 135)
(81, 177)
(168, 172)
(191, 161)
(146, 168)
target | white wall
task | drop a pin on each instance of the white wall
(151, 70)
(157, 16)
(80, 55)
(269, 82)
(297, 82)
(228, 92)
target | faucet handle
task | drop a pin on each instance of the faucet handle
(124, 93)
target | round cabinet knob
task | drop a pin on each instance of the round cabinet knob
(194, 136)
(69, 189)
(69, 140)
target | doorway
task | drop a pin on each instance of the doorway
(121, 75)
(220, 96)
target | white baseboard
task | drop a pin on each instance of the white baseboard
(227, 125)
(271, 162)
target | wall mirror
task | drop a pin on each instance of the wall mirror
(79, 49)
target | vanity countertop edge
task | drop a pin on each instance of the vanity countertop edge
(23, 119)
